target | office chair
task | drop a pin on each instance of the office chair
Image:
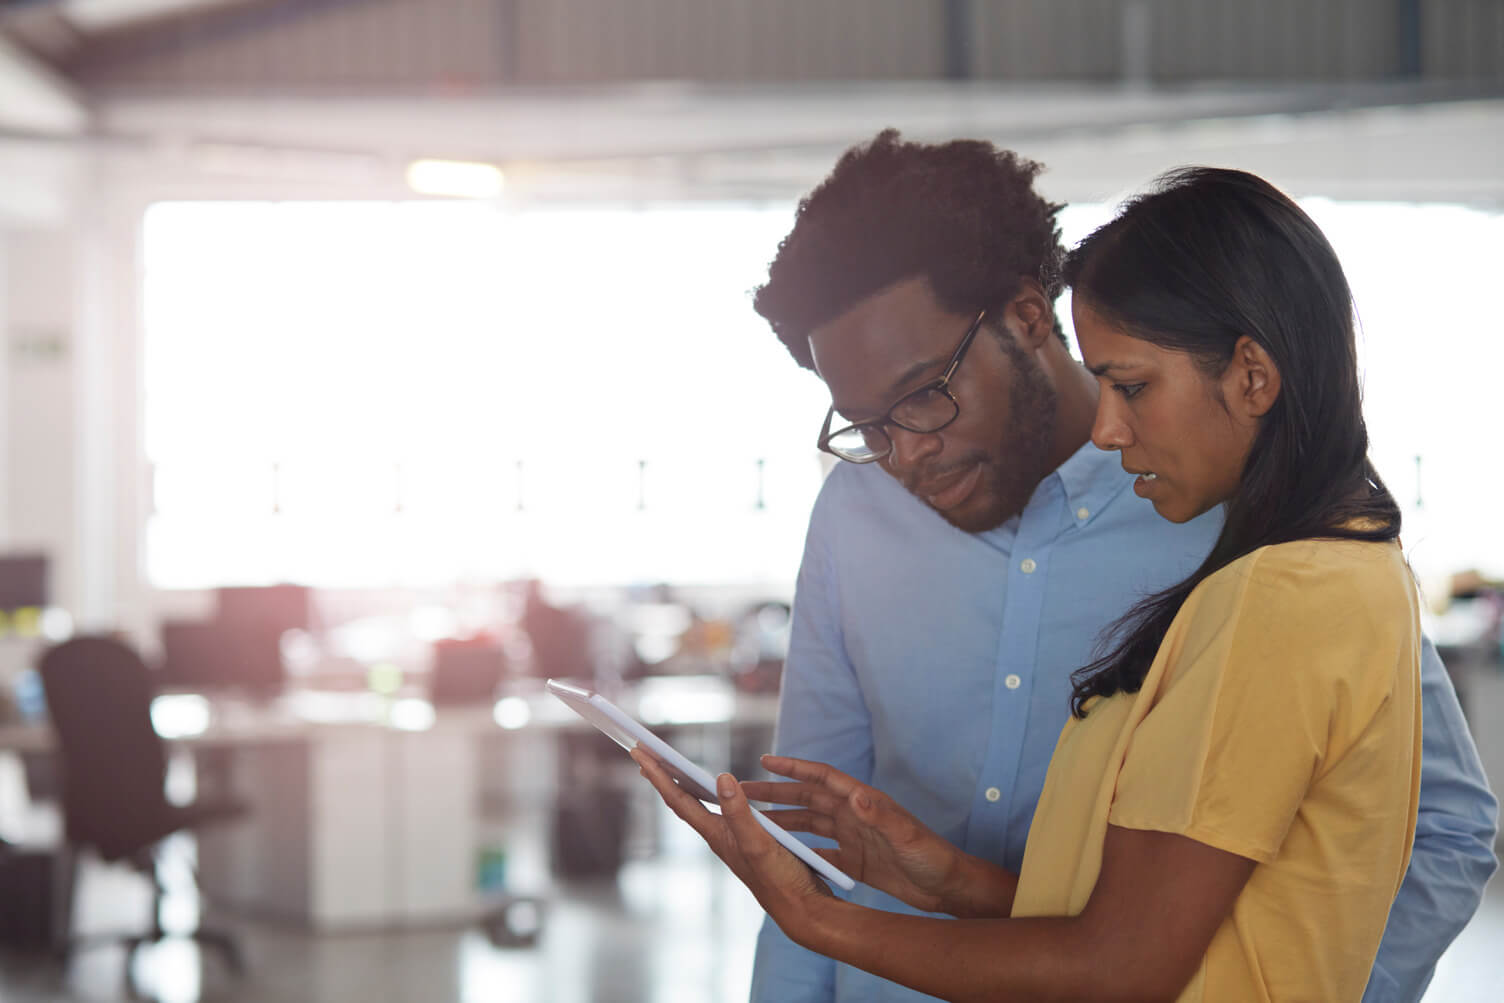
(114, 769)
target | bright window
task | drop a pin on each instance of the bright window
(424, 393)
(1430, 344)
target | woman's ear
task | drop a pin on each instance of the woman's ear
(1251, 382)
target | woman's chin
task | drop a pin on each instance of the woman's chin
(1167, 509)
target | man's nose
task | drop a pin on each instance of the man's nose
(910, 448)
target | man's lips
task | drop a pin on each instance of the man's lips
(949, 490)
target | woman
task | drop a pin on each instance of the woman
(1229, 811)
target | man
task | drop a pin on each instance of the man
(976, 547)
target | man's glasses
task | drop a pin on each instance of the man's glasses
(928, 409)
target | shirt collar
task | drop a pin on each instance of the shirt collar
(1091, 478)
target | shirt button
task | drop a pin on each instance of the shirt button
(993, 794)
(1012, 681)
(1027, 565)
(1082, 513)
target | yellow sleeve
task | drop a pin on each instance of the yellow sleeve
(1263, 677)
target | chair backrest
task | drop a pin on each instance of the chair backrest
(189, 654)
(99, 694)
(465, 672)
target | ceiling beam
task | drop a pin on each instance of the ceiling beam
(34, 99)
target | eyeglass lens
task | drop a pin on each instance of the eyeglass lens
(925, 410)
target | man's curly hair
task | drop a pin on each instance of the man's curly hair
(964, 214)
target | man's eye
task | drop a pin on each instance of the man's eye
(920, 402)
(1128, 390)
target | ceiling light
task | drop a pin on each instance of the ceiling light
(455, 178)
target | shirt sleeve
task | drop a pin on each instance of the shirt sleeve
(1256, 686)
(821, 716)
(1453, 856)
(784, 972)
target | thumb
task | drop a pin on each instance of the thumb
(737, 814)
(733, 801)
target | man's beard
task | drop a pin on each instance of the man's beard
(1008, 481)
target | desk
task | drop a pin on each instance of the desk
(364, 811)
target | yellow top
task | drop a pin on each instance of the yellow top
(1281, 721)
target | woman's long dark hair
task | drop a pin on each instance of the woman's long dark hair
(1204, 257)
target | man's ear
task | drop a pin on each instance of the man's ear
(1251, 383)
(1034, 312)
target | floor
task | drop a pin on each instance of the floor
(672, 927)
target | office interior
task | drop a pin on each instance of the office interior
(368, 362)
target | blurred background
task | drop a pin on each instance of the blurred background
(366, 362)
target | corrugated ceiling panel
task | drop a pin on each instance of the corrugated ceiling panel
(1025, 39)
(1463, 39)
(731, 40)
(383, 44)
(1274, 39)
(455, 45)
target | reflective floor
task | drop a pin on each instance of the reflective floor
(675, 928)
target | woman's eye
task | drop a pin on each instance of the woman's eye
(1128, 390)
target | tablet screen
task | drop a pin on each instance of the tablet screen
(627, 732)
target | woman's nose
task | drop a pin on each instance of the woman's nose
(1108, 430)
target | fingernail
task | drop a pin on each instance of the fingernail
(863, 800)
(725, 785)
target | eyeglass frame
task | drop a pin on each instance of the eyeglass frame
(940, 383)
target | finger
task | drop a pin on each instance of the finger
(680, 801)
(777, 791)
(768, 865)
(649, 766)
(797, 820)
(783, 792)
(750, 838)
(809, 771)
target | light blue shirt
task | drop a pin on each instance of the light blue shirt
(935, 665)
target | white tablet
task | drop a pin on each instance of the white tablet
(627, 732)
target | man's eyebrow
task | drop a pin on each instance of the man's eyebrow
(912, 373)
(890, 393)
